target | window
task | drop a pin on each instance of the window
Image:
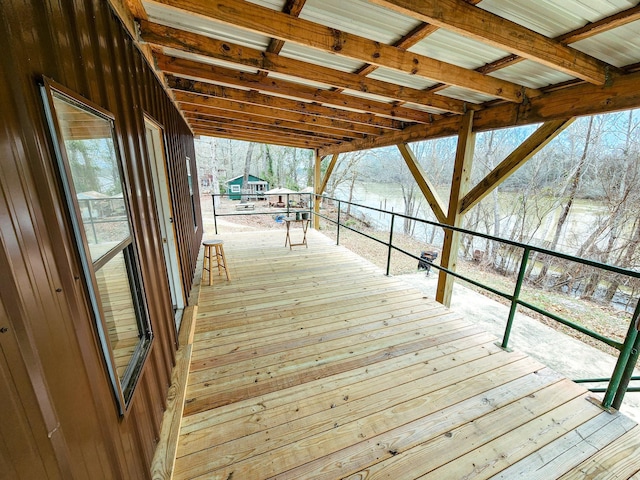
(94, 185)
(235, 188)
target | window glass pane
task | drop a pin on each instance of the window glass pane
(119, 311)
(95, 176)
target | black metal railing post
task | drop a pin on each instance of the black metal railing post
(215, 219)
(93, 225)
(393, 217)
(338, 227)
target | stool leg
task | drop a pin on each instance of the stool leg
(224, 262)
(206, 262)
(218, 258)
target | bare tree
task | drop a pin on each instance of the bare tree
(247, 169)
(571, 191)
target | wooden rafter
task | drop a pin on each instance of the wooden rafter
(527, 149)
(421, 32)
(251, 126)
(580, 100)
(202, 97)
(416, 35)
(307, 109)
(473, 22)
(245, 127)
(225, 109)
(604, 25)
(228, 115)
(265, 21)
(164, 36)
(209, 73)
(293, 8)
(590, 29)
(262, 138)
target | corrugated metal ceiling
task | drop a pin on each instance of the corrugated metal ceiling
(395, 89)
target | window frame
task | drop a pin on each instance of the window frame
(123, 388)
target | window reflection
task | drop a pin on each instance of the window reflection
(96, 177)
(119, 311)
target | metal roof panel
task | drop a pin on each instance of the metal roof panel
(318, 57)
(618, 47)
(553, 18)
(175, 18)
(359, 17)
(531, 74)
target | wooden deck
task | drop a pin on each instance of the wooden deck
(312, 364)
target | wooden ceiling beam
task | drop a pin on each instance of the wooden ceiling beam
(580, 100)
(265, 21)
(216, 106)
(473, 22)
(189, 68)
(604, 25)
(308, 116)
(293, 8)
(590, 29)
(419, 33)
(394, 115)
(415, 36)
(255, 98)
(247, 127)
(258, 134)
(272, 140)
(168, 37)
(221, 122)
(229, 115)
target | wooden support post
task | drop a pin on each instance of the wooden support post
(427, 188)
(318, 189)
(459, 185)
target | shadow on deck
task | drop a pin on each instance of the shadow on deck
(311, 364)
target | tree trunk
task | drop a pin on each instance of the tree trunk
(573, 189)
(247, 169)
(354, 176)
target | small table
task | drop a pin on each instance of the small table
(305, 225)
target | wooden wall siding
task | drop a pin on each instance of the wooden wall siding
(53, 377)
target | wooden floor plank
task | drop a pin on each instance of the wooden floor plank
(571, 449)
(355, 396)
(452, 409)
(291, 397)
(617, 460)
(490, 458)
(311, 363)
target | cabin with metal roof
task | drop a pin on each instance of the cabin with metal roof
(308, 363)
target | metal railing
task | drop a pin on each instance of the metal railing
(629, 348)
(284, 206)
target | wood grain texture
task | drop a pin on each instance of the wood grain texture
(313, 364)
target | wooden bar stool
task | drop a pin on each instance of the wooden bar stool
(221, 260)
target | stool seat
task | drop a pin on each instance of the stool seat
(221, 260)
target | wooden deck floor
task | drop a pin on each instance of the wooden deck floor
(312, 364)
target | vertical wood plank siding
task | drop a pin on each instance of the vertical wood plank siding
(54, 381)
